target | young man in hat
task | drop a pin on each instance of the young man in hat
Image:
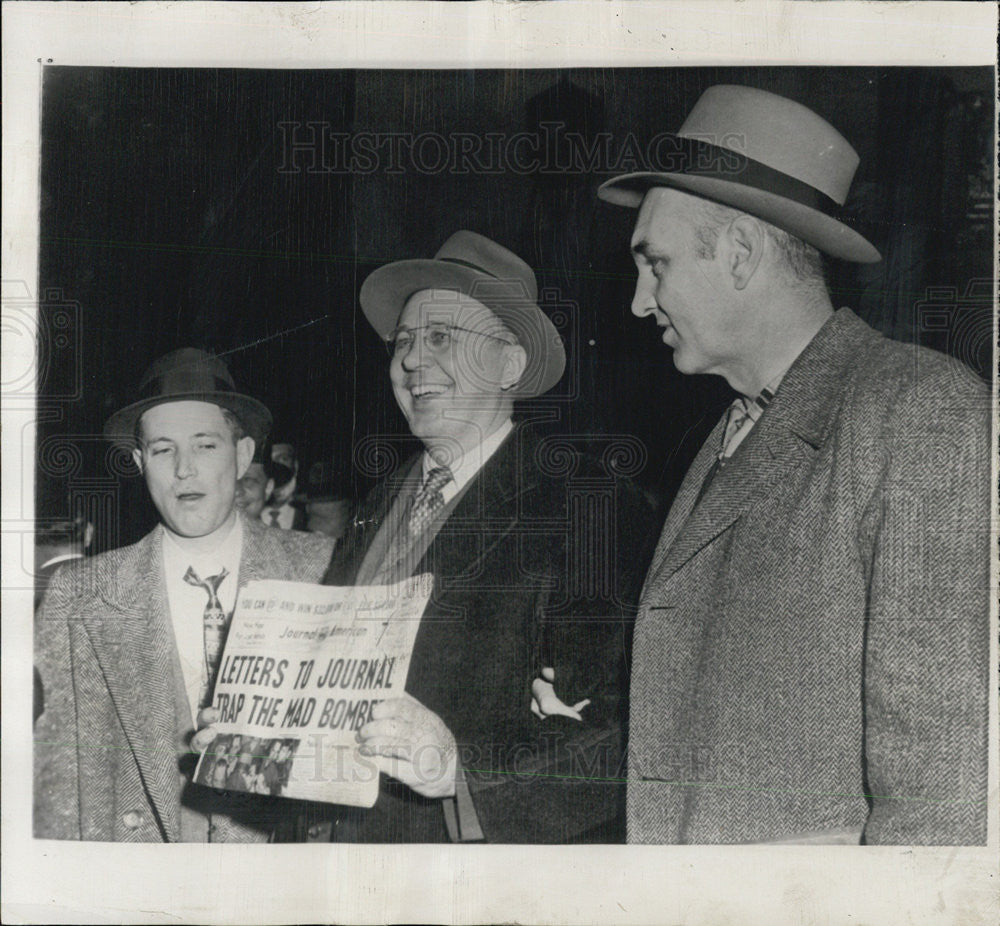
(811, 647)
(127, 643)
(486, 510)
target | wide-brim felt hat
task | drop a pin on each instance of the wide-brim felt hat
(477, 267)
(764, 155)
(189, 375)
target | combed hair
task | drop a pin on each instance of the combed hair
(802, 261)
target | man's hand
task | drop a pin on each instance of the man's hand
(207, 718)
(412, 744)
(545, 702)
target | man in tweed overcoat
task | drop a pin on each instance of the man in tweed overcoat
(810, 656)
(118, 651)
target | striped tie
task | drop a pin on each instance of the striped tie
(214, 622)
(429, 500)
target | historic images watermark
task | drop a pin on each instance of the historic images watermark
(318, 148)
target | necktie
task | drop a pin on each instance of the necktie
(735, 417)
(214, 624)
(273, 514)
(429, 500)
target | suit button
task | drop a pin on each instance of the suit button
(132, 819)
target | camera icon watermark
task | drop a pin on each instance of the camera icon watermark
(43, 345)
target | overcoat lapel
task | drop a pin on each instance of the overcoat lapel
(684, 501)
(789, 433)
(129, 628)
(487, 511)
(261, 558)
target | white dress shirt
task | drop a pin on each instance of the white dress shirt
(187, 602)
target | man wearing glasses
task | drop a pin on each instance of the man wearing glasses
(490, 517)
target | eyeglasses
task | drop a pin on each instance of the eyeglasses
(436, 338)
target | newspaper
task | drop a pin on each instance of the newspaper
(302, 669)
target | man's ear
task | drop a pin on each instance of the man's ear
(745, 240)
(88, 535)
(268, 489)
(245, 447)
(137, 458)
(514, 363)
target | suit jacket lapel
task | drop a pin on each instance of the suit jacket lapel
(789, 432)
(487, 510)
(134, 643)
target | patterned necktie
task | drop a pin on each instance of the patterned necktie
(214, 623)
(429, 500)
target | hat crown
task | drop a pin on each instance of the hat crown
(514, 278)
(189, 375)
(775, 131)
(186, 370)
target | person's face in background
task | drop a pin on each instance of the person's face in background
(253, 490)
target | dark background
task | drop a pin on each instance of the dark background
(174, 214)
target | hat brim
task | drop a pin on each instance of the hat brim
(385, 291)
(827, 234)
(253, 415)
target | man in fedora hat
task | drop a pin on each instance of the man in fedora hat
(811, 646)
(486, 512)
(127, 642)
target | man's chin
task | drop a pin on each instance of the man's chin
(192, 529)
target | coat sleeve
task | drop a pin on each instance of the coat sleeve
(56, 773)
(568, 783)
(926, 539)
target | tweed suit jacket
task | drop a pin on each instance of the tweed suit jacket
(513, 592)
(811, 648)
(106, 746)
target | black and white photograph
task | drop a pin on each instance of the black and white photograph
(675, 381)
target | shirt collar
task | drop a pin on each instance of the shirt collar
(467, 465)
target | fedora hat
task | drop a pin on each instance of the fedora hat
(764, 155)
(189, 375)
(470, 264)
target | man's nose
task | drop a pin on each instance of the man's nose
(185, 465)
(643, 301)
(415, 355)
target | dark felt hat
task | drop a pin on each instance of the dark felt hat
(189, 375)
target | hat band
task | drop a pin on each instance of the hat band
(465, 263)
(726, 164)
(204, 383)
